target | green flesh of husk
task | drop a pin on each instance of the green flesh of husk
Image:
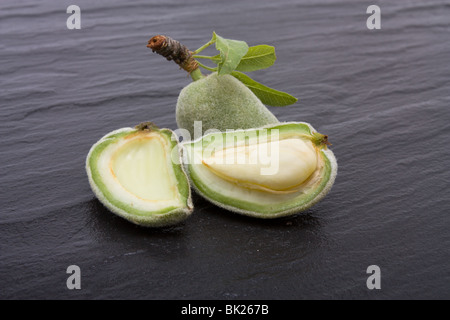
(132, 173)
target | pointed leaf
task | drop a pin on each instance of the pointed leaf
(267, 95)
(231, 52)
(257, 57)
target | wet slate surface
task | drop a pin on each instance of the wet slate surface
(382, 96)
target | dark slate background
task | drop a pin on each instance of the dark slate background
(382, 96)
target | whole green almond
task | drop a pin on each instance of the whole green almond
(220, 102)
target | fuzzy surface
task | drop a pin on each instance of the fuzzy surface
(220, 102)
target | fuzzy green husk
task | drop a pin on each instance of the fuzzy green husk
(220, 102)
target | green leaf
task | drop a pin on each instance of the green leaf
(257, 57)
(231, 52)
(268, 96)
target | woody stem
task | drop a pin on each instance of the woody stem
(174, 50)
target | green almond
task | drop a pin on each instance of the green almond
(220, 103)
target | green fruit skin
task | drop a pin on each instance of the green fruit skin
(220, 102)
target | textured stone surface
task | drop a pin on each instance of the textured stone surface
(382, 97)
